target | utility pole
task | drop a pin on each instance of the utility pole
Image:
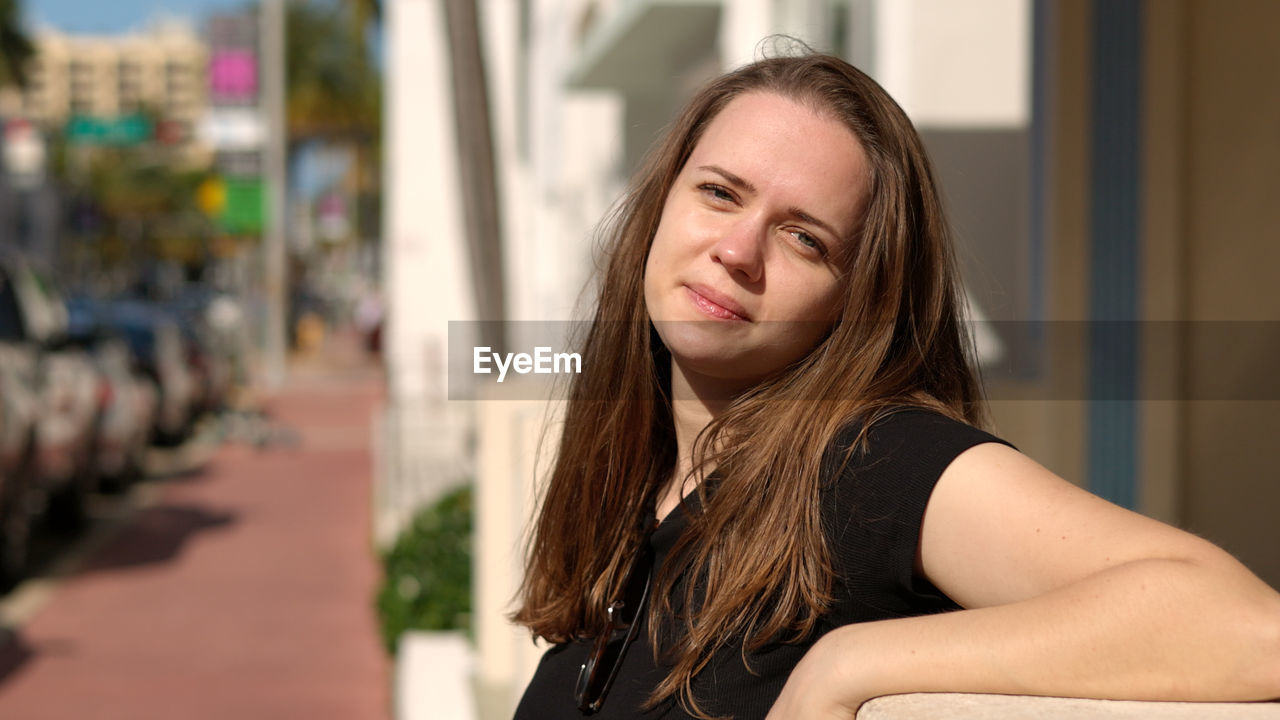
(275, 191)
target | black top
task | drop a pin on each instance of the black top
(872, 513)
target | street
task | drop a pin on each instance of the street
(235, 583)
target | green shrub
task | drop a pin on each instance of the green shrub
(427, 580)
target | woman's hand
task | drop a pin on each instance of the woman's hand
(824, 684)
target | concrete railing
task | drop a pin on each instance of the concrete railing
(436, 680)
(957, 706)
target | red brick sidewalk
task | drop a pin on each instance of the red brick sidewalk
(244, 590)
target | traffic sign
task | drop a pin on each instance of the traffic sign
(243, 212)
(122, 130)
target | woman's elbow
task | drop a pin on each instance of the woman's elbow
(1248, 612)
(1261, 633)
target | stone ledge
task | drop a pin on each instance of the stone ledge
(964, 706)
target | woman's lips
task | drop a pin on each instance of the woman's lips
(715, 304)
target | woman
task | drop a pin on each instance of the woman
(771, 484)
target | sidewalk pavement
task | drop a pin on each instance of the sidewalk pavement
(242, 589)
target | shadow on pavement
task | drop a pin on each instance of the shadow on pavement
(14, 653)
(157, 535)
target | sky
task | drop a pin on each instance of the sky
(114, 17)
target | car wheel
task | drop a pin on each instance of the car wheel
(68, 508)
(15, 527)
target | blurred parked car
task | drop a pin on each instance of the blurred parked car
(212, 326)
(18, 415)
(159, 352)
(129, 402)
(69, 389)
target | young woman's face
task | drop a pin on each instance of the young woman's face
(741, 279)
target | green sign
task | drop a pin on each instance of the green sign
(242, 212)
(122, 130)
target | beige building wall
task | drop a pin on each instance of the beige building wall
(1231, 221)
(1209, 299)
(1210, 222)
(161, 69)
(1041, 418)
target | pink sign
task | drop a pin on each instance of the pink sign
(233, 75)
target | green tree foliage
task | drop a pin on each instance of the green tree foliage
(427, 585)
(333, 88)
(143, 202)
(15, 49)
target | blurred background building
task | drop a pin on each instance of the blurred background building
(160, 70)
(1108, 166)
(138, 160)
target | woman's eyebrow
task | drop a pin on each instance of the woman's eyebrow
(806, 217)
(751, 189)
(733, 179)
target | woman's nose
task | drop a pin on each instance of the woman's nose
(741, 249)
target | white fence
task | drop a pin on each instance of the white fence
(423, 447)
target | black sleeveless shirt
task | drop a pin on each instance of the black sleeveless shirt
(872, 511)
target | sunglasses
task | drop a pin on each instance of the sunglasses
(600, 667)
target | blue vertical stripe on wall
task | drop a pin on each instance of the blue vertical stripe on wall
(1115, 180)
(1042, 83)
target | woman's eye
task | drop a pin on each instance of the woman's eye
(808, 241)
(716, 191)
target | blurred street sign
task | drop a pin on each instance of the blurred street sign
(171, 132)
(245, 163)
(122, 130)
(232, 128)
(211, 196)
(24, 154)
(232, 30)
(233, 76)
(243, 212)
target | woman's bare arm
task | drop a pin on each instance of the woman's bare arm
(1068, 595)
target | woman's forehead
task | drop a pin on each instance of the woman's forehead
(791, 151)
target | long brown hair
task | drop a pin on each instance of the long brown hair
(757, 553)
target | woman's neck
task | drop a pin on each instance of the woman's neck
(696, 400)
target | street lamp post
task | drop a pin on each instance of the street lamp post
(273, 156)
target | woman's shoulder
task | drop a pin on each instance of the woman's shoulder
(905, 429)
(905, 445)
(873, 500)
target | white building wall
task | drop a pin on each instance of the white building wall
(424, 228)
(571, 168)
(955, 64)
(426, 278)
(742, 24)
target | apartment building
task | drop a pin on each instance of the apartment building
(160, 70)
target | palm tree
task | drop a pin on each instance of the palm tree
(365, 15)
(332, 87)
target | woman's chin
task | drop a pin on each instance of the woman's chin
(723, 371)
